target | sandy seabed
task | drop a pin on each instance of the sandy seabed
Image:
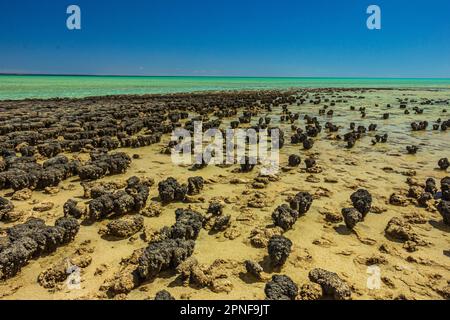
(415, 266)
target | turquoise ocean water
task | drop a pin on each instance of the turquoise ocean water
(43, 86)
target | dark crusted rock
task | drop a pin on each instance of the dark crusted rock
(351, 217)
(308, 144)
(123, 202)
(164, 295)
(188, 224)
(70, 227)
(445, 188)
(281, 287)
(221, 223)
(104, 164)
(284, 217)
(101, 207)
(443, 163)
(412, 149)
(301, 202)
(279, 249)
(247, 164)
(310, 162)
(31, 239)
(90, 172)
(6, 206)
(74, 209)
(331, 283)
(430, 186)
(215, 208)
(444, 209)
(294, 160)
(424, 199)
(15, 256)
(139, 191)
(195, 185)
(298, 138)
(163, 255)
(170, 190)
(362, 201)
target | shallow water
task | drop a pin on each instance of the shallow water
(40, 86)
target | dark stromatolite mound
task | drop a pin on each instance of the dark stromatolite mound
(445, 188)
(170, 190)
(6, 206)
(284, 217)
(247, 164)
(72, 209)
(215, 208)
(163, 255)
(104, 164)
(91, 172)
(412, 149)
(279, 249)
(331, 283)
(294, 160)
(221, 223)
(308, 144)
(195, 185)
(422, 125)
(281, 287)
(443, 164)
(139, 191)
(351, 217)
(103, 206)
(362, 201)
(31, 239)
(444, 209)
(424, 199)
(430, 186)
(24, 172)
(164, 295)
(301, 202)
(120, 202)
(298, 138)
(187, 226)
(353, 136)
(310, 162)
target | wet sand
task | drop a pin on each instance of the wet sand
(382, 169)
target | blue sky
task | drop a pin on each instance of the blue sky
(229, 38)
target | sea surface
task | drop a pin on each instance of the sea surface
(17, 87)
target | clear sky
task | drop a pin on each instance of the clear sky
(227, 37)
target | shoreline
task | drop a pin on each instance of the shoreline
(218, 92)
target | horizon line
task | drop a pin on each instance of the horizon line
(210, 76)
